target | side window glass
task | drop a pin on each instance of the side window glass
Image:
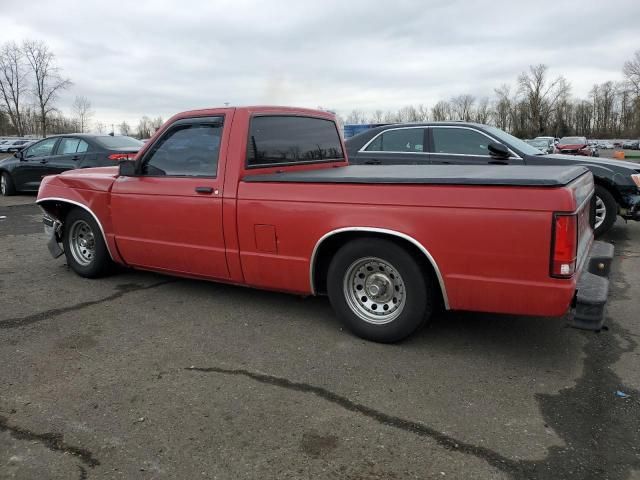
(409, 140)
(82, 146)
(68, 146)
(286, 140)
(187, 150)
(459, 140)
(41, 149)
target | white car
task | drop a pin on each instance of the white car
(14, 145)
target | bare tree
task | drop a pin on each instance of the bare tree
(47, 79)
(422, 113)
(144, 127)
(408, 114)
(13, 83)
(462, 107)
(82, 112)
(441, 111)
(377, 117)
(100, 127)
(156, 123)
(542, 96)
(502, 111)
(631, 72)
(483, 111)
(124, 128)
(356, 116)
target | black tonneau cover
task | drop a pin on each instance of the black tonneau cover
(542, 176)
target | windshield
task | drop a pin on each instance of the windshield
(119, 142)
(513, 142)
(572, 140)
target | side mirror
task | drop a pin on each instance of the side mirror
(127, 168)
(19, 154)
(498, 150)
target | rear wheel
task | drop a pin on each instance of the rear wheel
(378, 290)
(7, 187)
(606, 211)
(84, 246)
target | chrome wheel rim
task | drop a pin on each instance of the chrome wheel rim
(3, 185)
(374, 290)
(601, 212)
(82, 242)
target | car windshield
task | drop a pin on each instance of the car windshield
(513, 142)
(572, 140)
(538, 143)
(119, 141)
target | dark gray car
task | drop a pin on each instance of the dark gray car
(617, 182)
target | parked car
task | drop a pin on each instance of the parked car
(574, 146)
(269, 201)
(545, 145)
(554, 140)
(605, 145)
(617, 182)
(24, 171)
(631, 145)
(14, 145)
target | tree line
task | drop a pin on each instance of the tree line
(30, 84)
(537, 105)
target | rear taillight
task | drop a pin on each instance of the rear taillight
(122, 156)
(564, 246)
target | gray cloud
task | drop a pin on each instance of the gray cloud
(160, 57)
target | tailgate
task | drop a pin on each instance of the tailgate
(583, 189)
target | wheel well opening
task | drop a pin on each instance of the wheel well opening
(57, 209)
(331, 245)
(614, 193)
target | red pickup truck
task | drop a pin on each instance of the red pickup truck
(264, 197)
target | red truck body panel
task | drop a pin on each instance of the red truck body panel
(266, 234)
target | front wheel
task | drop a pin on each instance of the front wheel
(378, 290)
(606, 211)
(84, 246)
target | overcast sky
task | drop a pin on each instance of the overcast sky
(160, 57)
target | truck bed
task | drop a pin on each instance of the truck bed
(430, 174)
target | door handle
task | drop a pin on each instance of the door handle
(204, 189)
(372, 162)
(43, 161)
(75, 157)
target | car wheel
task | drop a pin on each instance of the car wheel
(84, 246)
(7, 187)
(379, 290)
(606, 211)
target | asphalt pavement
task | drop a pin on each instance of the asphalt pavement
(145, 376)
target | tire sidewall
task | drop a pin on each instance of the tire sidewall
(611, 210)
(101, 259)
(9, 186)
(418, 290)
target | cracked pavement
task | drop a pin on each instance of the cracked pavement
(141, 375)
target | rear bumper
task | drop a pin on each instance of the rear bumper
(592, 290)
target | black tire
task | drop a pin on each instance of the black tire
(7, 188)
(98, 262)
(418, 289)
(611, 210)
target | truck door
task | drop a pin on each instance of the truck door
(169, 215)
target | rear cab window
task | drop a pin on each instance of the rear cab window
(288, 140)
